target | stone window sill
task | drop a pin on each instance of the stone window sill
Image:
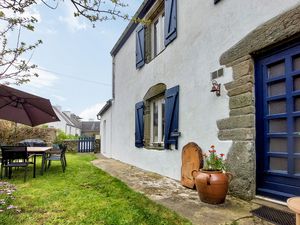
(159, 148)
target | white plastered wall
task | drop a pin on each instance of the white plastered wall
(205, 31)
(105, 133)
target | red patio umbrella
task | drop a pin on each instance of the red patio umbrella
(22, 107)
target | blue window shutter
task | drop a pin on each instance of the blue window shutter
(170, 21)
(139, 124)
(171, 117)
(140, 46)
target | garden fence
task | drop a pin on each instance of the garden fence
(86, 144)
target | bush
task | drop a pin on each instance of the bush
(62, 136)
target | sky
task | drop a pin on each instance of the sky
(74, 61)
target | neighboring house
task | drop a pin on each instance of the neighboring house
(65, 124)
(75, 121)
(90, 128)
(162, 82)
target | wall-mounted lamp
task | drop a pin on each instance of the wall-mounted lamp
(216, 87)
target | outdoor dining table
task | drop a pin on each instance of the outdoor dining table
(39, 151)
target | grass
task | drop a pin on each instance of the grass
(82, 195)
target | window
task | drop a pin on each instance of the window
(158, 34)
(157, 112)
(156, 118)
(153, 38)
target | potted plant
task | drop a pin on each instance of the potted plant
(212, 180)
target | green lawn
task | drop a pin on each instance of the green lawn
(81, 195)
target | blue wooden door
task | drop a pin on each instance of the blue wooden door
(278, 124)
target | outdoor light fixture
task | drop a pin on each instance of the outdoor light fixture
(216, 87)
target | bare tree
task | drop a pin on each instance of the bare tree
(14, 68)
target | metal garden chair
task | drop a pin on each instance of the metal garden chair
(14, 156)
(57, 155)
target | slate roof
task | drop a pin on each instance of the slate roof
(64, 116)
(90, 126)
(105, 107)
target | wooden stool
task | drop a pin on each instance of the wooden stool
(294, 205)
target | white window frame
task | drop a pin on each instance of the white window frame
(160, 101)
(158, 36)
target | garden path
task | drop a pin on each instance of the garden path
(184, 201)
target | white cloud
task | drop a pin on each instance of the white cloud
(32, 12)
(59, 98)
(45, 79)
(91, 112)
(74, 23)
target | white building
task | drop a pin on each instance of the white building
(162, 99)
(66, 123)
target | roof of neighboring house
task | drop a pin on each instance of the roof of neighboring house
(141, 12)
(105, 107)
(75, 120)
(88, 126)
(61, 114)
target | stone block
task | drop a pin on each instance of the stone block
(242, 164)
(242, 111)
(245, 121)
(238, 134)
(238, 82)
(240, 90)
(240, 101)
(243, 68)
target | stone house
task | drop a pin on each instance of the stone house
(163, 74)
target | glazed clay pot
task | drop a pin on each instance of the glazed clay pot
(212, 186)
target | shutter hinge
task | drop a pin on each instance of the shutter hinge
(175, 134)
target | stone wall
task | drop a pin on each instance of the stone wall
(72, 145)
(240, 128)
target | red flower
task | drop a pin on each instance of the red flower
(221, 154)
(213, 151)
(212, 146)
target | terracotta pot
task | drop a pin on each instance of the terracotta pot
(212, 186)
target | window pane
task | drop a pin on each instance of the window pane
(163, 120)
(162, 33)
(278, 145)
(296, 145)
(296, 83)
(277, 126)
(276, 89)
(155, 122)
(276, 70)
(297, 104)
(297, 124)
(155, 38)
(297, 166)
(296, 63)
(278, 164)
(276, 107)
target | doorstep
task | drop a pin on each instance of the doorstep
(184, 201)
(260, 200)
